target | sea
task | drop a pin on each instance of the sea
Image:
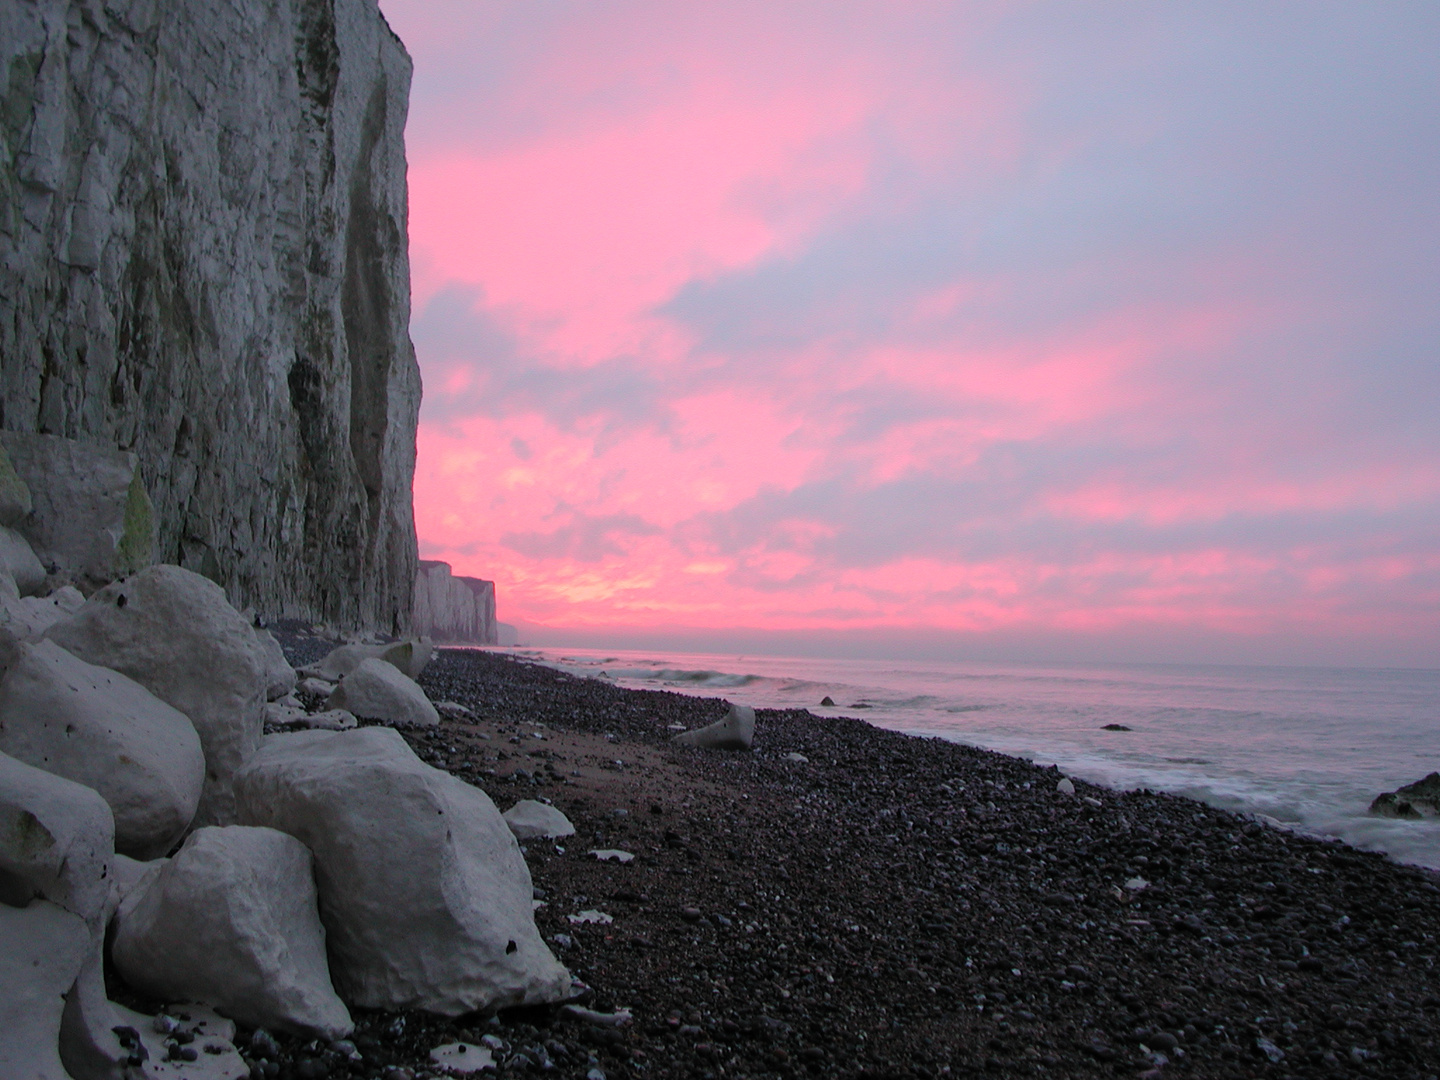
(1307, 748)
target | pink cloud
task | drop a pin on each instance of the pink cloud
(910, 338)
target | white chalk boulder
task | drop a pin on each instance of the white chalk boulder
(279, 675)
(19, 561)
(57, 839)
(42, 949)
(283, 714)
(378, 690)
(530, 819)
(423, 890)
(30, 617)
(736, 731)
(409, 657)
(175, 634)
(96, 727)
(231, 919)
(56, 846)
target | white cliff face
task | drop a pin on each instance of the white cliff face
(453, 609)
(203, 262)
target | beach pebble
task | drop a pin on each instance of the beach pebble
(612, 855)
(690, 914)
(530, 819)
(591, 916)
(1269, 1049)
(592, 1016)
(453, 710)
(794, 756)
(1066, 786)
(462, 1057)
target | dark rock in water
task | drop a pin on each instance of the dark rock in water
(827, 700)
(1116, 727)
(1413, 801)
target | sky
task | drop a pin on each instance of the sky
(1044, 331)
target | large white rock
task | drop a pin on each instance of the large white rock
(735, 731)
(89, 1047)
(175, 634)
(279, 675)
(380, 691)
(96, 727)
(530, 819)
(42, 949)
(57, 838)
(30, 617)
(19, 561)
(56, 845)
(231, 919)
(409, 657)
(424, 893)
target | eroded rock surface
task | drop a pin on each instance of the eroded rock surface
(203, 263)
(447, 925)
(232, 920)
(378, 690)
(454, 609)
(96, 727)
(734, 731)
(175, 634)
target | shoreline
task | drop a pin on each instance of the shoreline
(1322, 791)
(903, 906)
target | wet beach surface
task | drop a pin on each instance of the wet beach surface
(897, 906)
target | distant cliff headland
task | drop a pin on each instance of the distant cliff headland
(203, 264)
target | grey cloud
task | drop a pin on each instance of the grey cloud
(455, 327)
(584, 538)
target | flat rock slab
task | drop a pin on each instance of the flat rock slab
(408, 657)
(213, 1040)
(42, 949)
(461, 1057)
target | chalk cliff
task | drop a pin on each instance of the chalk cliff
(454, 609)
(203, 261)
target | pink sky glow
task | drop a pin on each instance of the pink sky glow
(1041, 328)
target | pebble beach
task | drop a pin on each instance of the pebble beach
(848, 901)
